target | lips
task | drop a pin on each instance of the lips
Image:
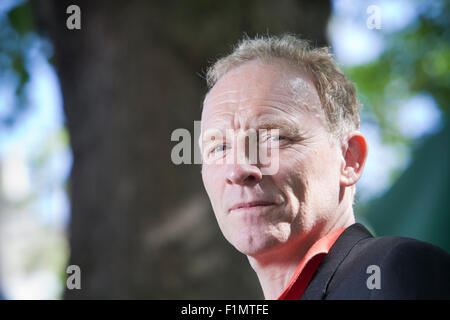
(251, 204)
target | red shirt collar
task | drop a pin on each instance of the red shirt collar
(309, 264)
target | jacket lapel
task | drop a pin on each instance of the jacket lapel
(318, 285)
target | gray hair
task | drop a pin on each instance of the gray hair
(337, 94)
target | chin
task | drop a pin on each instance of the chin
(254, 245)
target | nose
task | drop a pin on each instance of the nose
(243, 174)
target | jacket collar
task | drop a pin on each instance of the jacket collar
(318, 285)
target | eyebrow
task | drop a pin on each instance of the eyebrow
(278, 123)
(265, 123)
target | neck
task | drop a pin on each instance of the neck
(276, 267)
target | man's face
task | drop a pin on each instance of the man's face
(300, 198)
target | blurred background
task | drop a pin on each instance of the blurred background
(86, 118)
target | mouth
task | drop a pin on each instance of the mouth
(251, 206)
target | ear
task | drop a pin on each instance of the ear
(354, 154)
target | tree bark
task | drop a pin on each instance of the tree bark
(142, 227)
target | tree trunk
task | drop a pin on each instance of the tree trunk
(142, 227)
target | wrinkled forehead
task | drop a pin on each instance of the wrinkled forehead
(274, 81)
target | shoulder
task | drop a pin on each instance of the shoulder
(393, 268)
(413, 269)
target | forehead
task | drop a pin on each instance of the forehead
(259, 87)
(256, 78)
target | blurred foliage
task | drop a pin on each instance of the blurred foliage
(418, 206)
(21, 18)
(41, 240)
(415, 60)
(16, 35)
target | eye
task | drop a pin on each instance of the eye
(219, 148)
(277, 138)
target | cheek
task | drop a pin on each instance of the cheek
(293, 171)
(324, 180)
(308, 178)
(326, 166)
(211, 176)
(292, 180)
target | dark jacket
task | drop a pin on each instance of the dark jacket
(408, 269)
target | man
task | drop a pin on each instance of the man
(296, 225)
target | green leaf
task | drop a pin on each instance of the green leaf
(21, 18)
(18, 64)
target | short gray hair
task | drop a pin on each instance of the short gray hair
(337, 94)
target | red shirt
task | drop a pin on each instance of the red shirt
(309, 264)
